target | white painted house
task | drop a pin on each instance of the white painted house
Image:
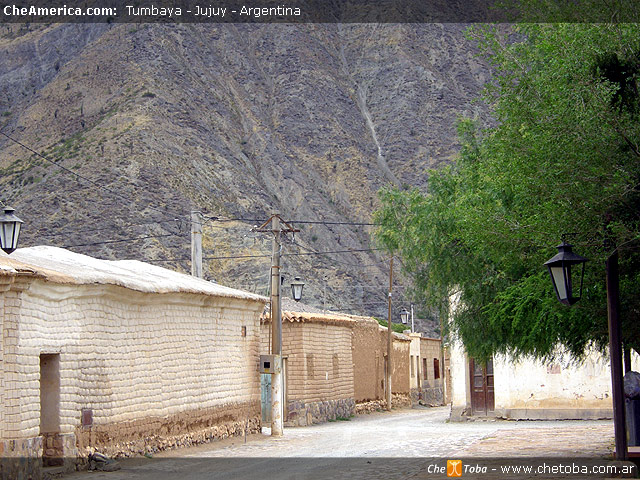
(529, 389)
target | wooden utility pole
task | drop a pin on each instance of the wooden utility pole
(276, 319)
(196, 243)
(615, 352)
(389, 343)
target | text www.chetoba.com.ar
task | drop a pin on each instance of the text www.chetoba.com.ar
(538, 468)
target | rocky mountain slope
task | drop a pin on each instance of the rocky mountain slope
(235, 120)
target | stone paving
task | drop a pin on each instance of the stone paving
(383, 445)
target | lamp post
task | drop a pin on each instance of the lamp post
(404, 316)
(9, 230)
(560, 269)
(296, 289)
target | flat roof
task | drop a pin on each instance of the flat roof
(63, 266)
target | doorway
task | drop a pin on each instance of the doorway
(52, 453)
(482, 390)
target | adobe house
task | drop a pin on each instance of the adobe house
(528, 389)
(317, 366)
(426, 370)
(370, 363)
(119, 357)
(334, 365)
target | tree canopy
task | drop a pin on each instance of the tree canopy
(562, 157)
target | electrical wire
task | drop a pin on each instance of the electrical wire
(322, 222)
(305, 222)
(376, 264)
(91, 230)
(119, 241)
(68, 170)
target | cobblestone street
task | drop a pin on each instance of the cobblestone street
(339, 449)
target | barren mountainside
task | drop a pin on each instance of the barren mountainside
(237, 121)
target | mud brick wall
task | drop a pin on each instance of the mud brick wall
(368, 361)
(430, 350)
(320, 364)
(369, 353)
(146, 364)
(319, 368)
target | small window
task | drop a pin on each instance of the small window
(424, 369)
(310, 371)
(436, 368)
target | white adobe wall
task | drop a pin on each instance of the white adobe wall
(531, 389)
(414, 359)
(460, 394)
(132, 357)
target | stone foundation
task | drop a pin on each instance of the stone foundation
(21, 459)
(184, 429)
(301, 414)
(398, 400)
(428, 396)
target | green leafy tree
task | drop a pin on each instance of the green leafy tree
(563, 157)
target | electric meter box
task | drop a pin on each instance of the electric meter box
(270, 363)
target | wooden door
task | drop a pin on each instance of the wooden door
(482, 392)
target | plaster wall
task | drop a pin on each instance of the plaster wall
(137, 360)
(399, 361)
(530, 389)
(557, 390)
(368, 361)
(430, 350)
(415, 362)
(459, 392)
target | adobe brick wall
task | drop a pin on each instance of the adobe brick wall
(400, 380)
(368, 361)
(369, 352)
(148, 364)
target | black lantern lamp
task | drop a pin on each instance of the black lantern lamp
(404, 316)
(566, 268)
(9, 230)
(296, 289)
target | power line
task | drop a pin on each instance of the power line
(322, 222)
(377, 264)
(335, 251)
(236, 256)
(68, 170)
(118, 241)
(90, 230)
(309, 222)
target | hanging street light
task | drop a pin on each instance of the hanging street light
(560, 269)
(404, 316)
(296, 289)
(563, 276)
(9, 230)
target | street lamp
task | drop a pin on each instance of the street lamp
(404, 316)
(296, 289)
(560, 269)
(9, 230)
